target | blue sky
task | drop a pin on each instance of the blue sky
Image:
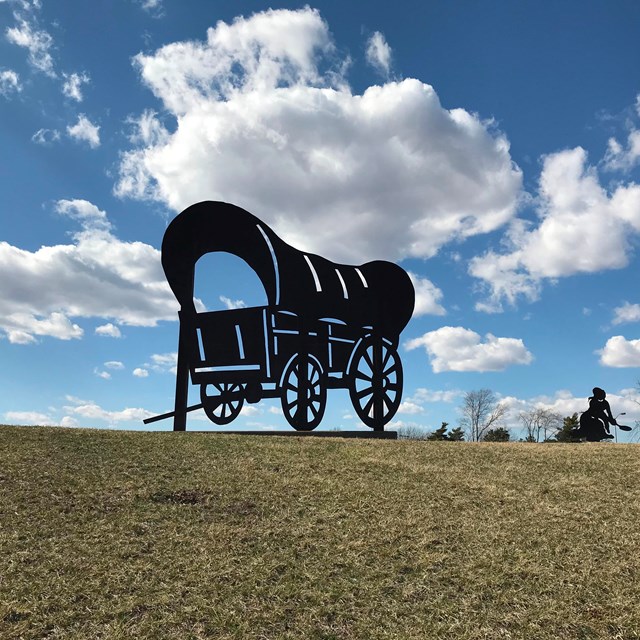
(492, 149)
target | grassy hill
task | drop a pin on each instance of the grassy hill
(114, 535)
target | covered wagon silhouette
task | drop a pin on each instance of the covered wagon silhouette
(325, 326)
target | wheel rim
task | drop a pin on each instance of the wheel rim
(221, 401)
(303, 396)
(376, 382)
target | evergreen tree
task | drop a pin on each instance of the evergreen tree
(499, 434)
(439, 434)
(457, 434)
(564, 434)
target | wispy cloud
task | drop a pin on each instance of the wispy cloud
(379, 53)
(9, 83)
(84, 130)
(626, 313)
(232, 304)
(45, 137)
(28, 418)
(72, 85)
(37, 42)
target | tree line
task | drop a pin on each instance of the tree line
(482, 420)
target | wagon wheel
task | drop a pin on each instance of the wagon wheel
(303, 393)
(221, 401)
(375, 385)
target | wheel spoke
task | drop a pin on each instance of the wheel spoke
(215, 402)
(362, 376)
(367, 407)
(387, 355)
(368, 359)
(390, 370)
(364, 392)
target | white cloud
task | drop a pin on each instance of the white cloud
(45, 136)
(147, 129)
(582, 229)
(105, 375)
(232, 304)
(114, 364)
(85, 130)
(28, 418)
(409, 407)
(109, 330)
(37, 42)
(460, 349)
(626, 313)
(97, 275)
(9, 82)
(68, 421)
(153, 7)
(92, 411)
(624, 157)
(436, 395)
(72, 85)
(428, 297)
(379, 53)
(264, 118)
(164, 362)
(83, 211)
(140, 373)
(21, 327)
(620, 352)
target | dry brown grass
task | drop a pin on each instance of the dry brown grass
(176, 536)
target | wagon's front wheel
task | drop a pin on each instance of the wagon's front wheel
(375, 381)
(303, 393)
(221, 401)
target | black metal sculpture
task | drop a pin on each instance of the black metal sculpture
(325, 326)
(595, 421)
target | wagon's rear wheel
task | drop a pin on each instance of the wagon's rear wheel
(221, 401)
(375, 381)
(303, 392)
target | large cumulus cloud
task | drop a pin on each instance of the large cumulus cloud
(261, 115)
(95, 275)
(582, 228)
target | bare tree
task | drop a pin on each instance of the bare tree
(481, 411)
(537, 421)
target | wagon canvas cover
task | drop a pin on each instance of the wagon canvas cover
(375, 294)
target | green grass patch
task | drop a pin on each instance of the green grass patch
(114, 535)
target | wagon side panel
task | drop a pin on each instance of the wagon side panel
(229, 345)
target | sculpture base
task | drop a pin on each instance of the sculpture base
(381, 435)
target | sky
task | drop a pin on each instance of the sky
(492, 149)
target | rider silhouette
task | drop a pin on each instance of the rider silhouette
(595, 421)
